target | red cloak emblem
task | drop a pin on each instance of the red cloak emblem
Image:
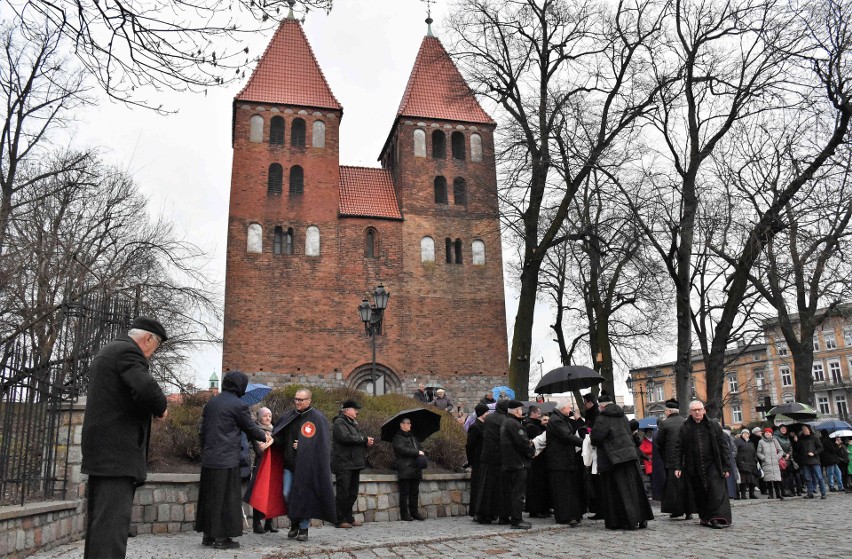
(308, 429)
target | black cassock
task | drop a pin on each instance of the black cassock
(704, 460)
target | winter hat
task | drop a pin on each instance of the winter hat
(634, 425)
(480, 409)
(149, 325)
(514, 404)
(768, 430)
(756, 430)
(672, 404)
(350, 404)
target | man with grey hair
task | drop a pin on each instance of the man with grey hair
(122, 399)
(677, 497)
(703, 457)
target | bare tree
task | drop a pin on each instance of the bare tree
(568, 79)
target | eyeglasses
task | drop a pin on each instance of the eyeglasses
(696, 410)
(301, 399)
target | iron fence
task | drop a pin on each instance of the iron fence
(38, 379)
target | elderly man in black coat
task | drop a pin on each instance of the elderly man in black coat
(348, 458)
(492, 500)
(225, 417)
(473, 451)
(563, 467)
(703, 454)
(122, 399)
(517, 452)
(677, 497)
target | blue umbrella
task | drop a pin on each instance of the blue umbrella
(497, 390)
(648, 423)
(831, 425)
(255, 392)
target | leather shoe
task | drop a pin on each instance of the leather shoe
(303, 535)
(688, 517)
(416, 516)
(521, 526)
(504, 521)
(270, 527)
(227, 543)
(355, 523)
(344, 525)
(207, 541)
(294, 531)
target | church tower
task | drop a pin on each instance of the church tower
(308, 237)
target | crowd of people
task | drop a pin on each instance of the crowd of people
(565, 464)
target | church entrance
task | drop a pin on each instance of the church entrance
(387, 381)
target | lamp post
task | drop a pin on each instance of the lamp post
(371, 315)
(630, 382)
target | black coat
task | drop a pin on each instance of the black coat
(562, 443)
(666, 440)
(828, 456)
(122, 399)
(746, 456)
(349, 445)
(515, 445)
(611, 434)
(406, 449)
(491, 438)
(719, 450)
(473, 446)
(224, 418)
(804, 445)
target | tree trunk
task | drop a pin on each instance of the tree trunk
(519, 360)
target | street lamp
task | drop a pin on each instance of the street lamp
(630, 382)
(371, 315)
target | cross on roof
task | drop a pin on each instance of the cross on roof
(429, 7)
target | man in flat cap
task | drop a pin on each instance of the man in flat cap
(122, 399)
(517, 450)
(677, 495)
(349, 457)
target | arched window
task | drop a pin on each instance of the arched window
(256, 129)
(276, 131)
(419, 143)
(441, 190)
(278, 240)
(458, 251)
(370, 243)
(254, 241)
(475, 147)
(448, 242)
(427, 249)
(477, 249)
(274, 178)
(318, 134)
(439, 145)
(312, 241)
(297, 180)
(458, 145)
(459, 192)
(289, 241)
(297, 133)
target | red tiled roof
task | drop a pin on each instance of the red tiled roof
(288, 73)
(368, 192)
(437, 90)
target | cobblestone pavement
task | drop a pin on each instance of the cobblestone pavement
(762, 528)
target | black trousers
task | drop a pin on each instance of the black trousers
(110, 502)
(515, 482)
(409, 493)
(347, 484)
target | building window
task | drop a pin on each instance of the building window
(475, 147)
(847, 337)
(781, 346)
(274, 178)
(834, 372)
(419, 143)
(736, 414)
(427, 249)
(254, 241)
(297, 180)
(733, 383)
(759, 379)
(312, 241)
(477, 250)
(256, 129)
(458, 251)
(786, 376)
(297, 133)
(370, 244)
(823, 405)
(818, 372)
(840, 404)
(448, 242)
(289, 241)
(318, 134)
(441, 190)
(659, 392)
(457, 140)
(278, 240)
(439, 145)
(459, 192)
(276, 131)
(816, 342)
(829, 339)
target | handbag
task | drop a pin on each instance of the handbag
(782, 464)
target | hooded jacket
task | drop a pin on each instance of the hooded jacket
(224, 418)
(611, 434)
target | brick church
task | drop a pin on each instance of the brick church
(307, 237)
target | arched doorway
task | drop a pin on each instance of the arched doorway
(387, 382)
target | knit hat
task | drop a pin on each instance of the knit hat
(756, 430)
(480, 409)
(768, 430)
(672, 404)
(514, 404)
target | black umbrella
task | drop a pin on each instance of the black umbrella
(567, 379)
(793, 410)
(423, 423)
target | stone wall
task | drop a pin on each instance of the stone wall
(37, 526)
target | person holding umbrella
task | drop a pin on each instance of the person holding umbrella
(410, 461)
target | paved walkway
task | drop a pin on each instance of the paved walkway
(762, 529)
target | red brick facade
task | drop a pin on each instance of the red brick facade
(293, 317)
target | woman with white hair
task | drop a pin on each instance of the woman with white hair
(264, 421)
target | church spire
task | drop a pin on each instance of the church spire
(429, 19)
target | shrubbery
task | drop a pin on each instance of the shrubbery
(175, 440)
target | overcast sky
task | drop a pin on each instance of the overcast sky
(366, 49)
